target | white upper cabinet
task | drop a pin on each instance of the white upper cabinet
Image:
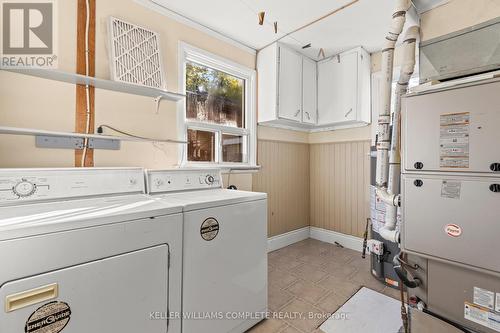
(287, 88)
(290, 85)
(299, 93)
(344, 89)
(309, 91)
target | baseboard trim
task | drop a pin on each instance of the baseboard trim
(280, 241)
(328, 236)
(324, 235)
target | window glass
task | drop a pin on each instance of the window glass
(201, 146)
(234, 148)
(214, 97)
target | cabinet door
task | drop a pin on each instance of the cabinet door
(290, 85)
(326, 98)
(309, 91)
(349, 87)
(338, 89)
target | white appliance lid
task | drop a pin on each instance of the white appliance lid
(209, 198)
(39, 218)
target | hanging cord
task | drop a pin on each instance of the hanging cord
(230, 187)
(404, 313)
(100, 131)
(87, 87)
(229, 177)
(365, 238)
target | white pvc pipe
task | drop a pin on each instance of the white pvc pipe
(391, 196)
(383, 140)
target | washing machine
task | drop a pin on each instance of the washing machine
(224, 281)
(86, 250)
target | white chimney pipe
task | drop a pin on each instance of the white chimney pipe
(391, 195)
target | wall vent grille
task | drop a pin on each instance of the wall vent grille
(135, 54)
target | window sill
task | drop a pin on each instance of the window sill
(240, 169)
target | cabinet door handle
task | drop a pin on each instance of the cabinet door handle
(350, 110)
(297, 113)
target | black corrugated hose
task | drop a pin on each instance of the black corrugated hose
(402, 273)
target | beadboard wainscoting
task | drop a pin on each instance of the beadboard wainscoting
(339, 181)
(284, 176)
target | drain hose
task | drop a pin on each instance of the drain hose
(403, 275)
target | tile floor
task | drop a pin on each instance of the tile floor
(310, 280)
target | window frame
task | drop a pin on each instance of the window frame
(189, 53)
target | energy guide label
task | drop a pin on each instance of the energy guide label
(454, 140)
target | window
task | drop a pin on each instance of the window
(218, 116)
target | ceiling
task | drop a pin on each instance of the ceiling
(364, 22)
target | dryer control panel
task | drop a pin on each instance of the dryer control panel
(175, 180)
(33, 185)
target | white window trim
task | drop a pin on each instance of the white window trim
(191, 53)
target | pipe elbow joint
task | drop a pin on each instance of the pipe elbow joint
(402, 5)
(389, 235)
(397, 25)
(412, 33)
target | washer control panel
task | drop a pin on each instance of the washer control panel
(46, 184)
(159, 181)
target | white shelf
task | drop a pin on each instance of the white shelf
(37, 132)
(98, 83)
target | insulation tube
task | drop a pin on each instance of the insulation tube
(383, 141)
(391, 195)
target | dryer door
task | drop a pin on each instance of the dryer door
(115, 294)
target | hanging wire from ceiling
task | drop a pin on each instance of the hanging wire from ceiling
(288, 34)
(273, 25)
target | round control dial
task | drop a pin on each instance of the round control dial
(24, 189)
(209, 179)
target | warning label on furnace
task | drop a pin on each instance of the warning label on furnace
(482, 316)
(484, 298)
(450, 189)
(454, 140)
